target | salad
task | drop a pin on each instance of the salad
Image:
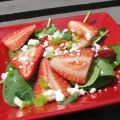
(50, 64)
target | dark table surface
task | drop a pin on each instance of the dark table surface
(22, 11)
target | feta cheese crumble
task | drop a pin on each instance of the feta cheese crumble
(50, 94)
(76, 90)
(18, 102)
(88, 35)
(45, 44)
(24, 60)
(48, 50)
(4, 75)
(59, 96)
(92, 90)
(33, 42)
(54, 95)
(24, 48)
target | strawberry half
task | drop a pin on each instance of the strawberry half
(106, 53)
(26, 62)
(73, 67)
(55, 81)
(16, 39)
(42, 73)
(81, 29)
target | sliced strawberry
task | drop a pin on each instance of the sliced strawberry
(42, 73)
(81, 29)
(83, 42)
(73, 67)
(106, 53)
(26, 62)
(38, 90)
(55, 81)
(16, 39)
(57, 46)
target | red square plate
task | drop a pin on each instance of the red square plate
(108, 96)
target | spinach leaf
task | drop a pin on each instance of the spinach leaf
(9, 67)
(116, 60)
(92, 77)
(11, 53)
(105, 67)
(14, 86)
(100, 75)
(48, 30)
(101, 33)
(70, 99)
(67, 36)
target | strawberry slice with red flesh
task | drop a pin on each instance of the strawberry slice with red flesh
(26, 62)
(106, 53)
(81, 29)
(16, 39)
(55, 81)
(43, 73)
(73, 67)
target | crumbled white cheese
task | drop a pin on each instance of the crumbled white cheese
(33, 42)
(48, 50)
(76, 90)
(4, 75)
(92, 90)
(65, 30)
(18, 102)
(62, 44)
(54, 95)
(75, 47)
(65, 51)
(32, 54)
(72, 30)
(59, 96)
(15, 58)
(57, 34)
(45, 44)
(50, 37)
(58, 52)
(24, 48)
(88, 35)
(24, 60)
(20, 66)
(71, 54)
(50, 94)
(97, 46)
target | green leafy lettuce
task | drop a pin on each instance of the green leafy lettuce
(115, 61)
(15, 85)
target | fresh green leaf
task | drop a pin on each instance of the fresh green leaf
(43, 83)
(105, 67)
(101, 34)
(11, 53)
(40, 100)
(68, 45)
(67, 36)
(56, 41)
(70, 99)
(75, 38)
(92, 77)
(48, 30)
(100, 75)
(14, 86)
(116, 60)
(100, 82)
(9, 67)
